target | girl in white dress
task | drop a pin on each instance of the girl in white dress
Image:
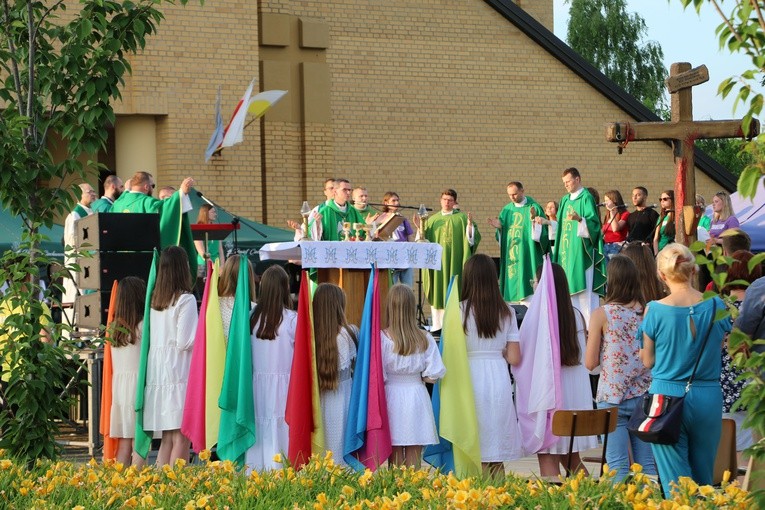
(273, 325)
(125, 338)
(574, 379)
(229, 276)
(335, 353)
(173, 325)
(491, 333)
(410, 359)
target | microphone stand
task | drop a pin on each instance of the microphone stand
(234, 220)
(399, 206)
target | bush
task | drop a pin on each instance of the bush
(322, 484)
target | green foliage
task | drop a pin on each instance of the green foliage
(729, 152)
(322, 484)
(56, 77)
(611, 39)
(741, 349)
(60, 78)
(742, 30)
(39, 378)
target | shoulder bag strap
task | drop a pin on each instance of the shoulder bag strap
(706, 337)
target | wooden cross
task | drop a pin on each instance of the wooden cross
(682, 130)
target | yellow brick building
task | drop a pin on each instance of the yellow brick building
(402, 95)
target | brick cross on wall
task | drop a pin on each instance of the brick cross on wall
(293, 57)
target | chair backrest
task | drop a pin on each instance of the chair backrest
(584, 422)
(726, 453)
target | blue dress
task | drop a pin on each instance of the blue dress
(676, 350)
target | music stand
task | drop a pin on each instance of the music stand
(213, 231)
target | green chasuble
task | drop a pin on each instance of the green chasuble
(174, 227)
(448, 230)
(101, 205)
(332, 219)
(519, 254)
(577, 254)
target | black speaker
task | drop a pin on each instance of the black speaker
(99, 271)
(91, 310)
(118, 232)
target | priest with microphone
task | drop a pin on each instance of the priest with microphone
(614, 224)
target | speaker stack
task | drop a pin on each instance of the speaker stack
(118, 245)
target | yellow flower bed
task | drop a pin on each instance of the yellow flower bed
(323, 485)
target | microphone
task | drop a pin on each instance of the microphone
(200, 195)
(652, 206)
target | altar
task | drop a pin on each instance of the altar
(347, 264)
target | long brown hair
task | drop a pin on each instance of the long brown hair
(480, 294)
(641, 255)
(328, 319)
(669, 230)
(128, 311)
(623, 282)
(570, 352)
(274, 299)
(173, 278)
(616, 198)
(203, 216)
(402, 326)
(229, 277)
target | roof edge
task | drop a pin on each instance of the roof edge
(613, 92)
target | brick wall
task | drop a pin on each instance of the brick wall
(423, 95)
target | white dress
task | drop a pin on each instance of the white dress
(577, 394)
(125, 362)
(271, 367)
(226, 310)
(498, 427)
(167, 370)
(334, 404)
(410, 413)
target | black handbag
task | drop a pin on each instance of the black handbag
(658, 418)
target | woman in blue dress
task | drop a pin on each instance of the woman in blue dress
(672, 333)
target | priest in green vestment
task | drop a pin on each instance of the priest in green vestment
(579, 244)
(174, 226)
(522, 242)
(81, 209)
(459, 238)
(336, 211)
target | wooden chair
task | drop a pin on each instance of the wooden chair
(584, 422)
(726, 459)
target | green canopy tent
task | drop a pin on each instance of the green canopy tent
(251, 235)
(11, 227)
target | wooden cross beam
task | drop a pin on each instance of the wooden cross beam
(683, 131)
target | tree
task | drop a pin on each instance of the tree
(729, 152)
(742, 30)
(59, 76)
(607, 36)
